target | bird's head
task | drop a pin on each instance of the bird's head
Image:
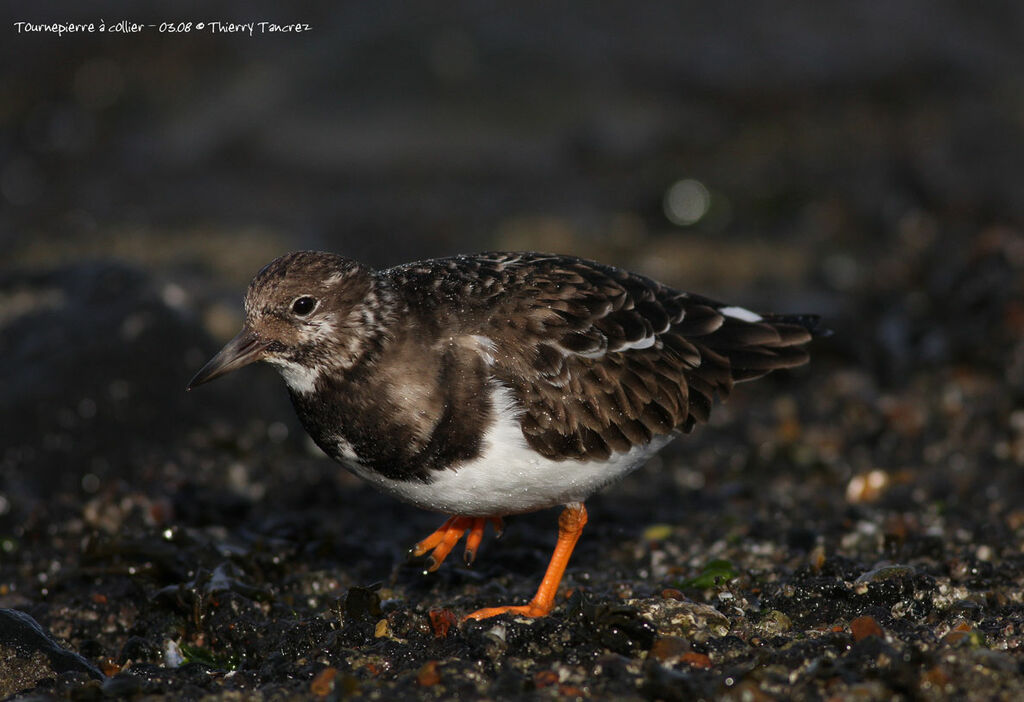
(307, 313)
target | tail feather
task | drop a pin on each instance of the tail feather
(810, 322)
(775, 341)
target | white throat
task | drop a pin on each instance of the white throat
(300, 379)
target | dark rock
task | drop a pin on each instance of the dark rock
(29, 654)
(112, 319)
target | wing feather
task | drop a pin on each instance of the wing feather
(600, 359)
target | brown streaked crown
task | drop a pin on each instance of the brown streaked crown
(313, 308)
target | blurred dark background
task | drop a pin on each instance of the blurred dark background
(860, 161)
(822, 133)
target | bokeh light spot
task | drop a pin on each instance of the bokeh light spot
(686, 202)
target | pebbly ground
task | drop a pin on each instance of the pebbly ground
(825, 537)
(850, 530)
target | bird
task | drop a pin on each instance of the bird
(487, 385)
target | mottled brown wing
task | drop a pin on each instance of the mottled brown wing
(603, 360)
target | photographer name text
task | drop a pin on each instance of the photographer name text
(128, 27)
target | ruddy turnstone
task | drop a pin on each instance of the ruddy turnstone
(499, 383)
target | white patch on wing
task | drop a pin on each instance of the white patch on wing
(644, 343)
(500, 264)
(510, 477)
(741, 313)
(345, 450)
(297, 377)
(485, 346)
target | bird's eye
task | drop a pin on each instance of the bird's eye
(303, 305)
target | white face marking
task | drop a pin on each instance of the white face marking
(509, 477)
(741, 313)
(297, 377)
(317, 328)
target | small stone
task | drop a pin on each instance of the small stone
(963, 635)
(428, 674)
(669, 649)
(109, 666)
(863, 627)
(323, 682)
(817, 557)
(887, 572)
(867, 487)
(544, 678)
(697, 660)
(773, 623)
(362, 605)
(692, 620)
(442, 620)
(657, 532)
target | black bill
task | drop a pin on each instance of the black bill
(244, 349)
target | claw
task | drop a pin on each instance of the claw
(434, 539)
(442, 550)
(476, 535)
(442, 541)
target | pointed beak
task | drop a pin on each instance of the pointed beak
(244, 349)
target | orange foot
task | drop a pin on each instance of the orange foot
(570, 525)
(442, 541)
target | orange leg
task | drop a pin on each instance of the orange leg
(442, 541)
(570, 526)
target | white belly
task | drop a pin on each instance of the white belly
(509, 477)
